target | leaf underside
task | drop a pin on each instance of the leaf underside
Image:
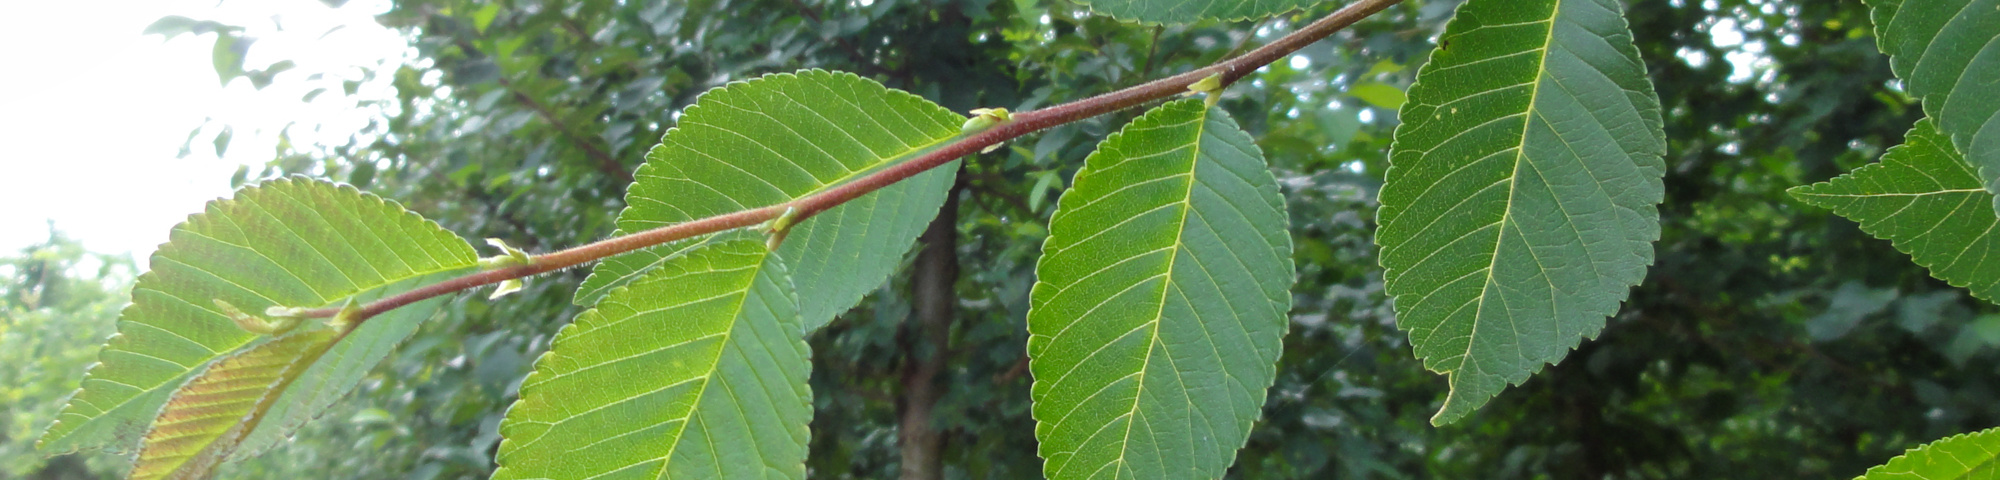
(1924, 198)
(1160, 302)
(1970, 456)
(208, 417)
(286, 242)
(1519, 207)
(1948, 53)
(780, 137)
(1190, 11)
(697, 370)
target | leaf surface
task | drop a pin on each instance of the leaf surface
(1924, 198)
(286, 242)
(1948, 53)
(1160, 303)
(1970, 456)
(781, 137)
(697, 370)
(1520, 202)
(208, 416)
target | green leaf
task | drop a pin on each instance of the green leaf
(1941, 48)
(222, 140)
(1160, 303)
(1961, 457)
(209, 415)
(1520, 201)
(228, 55)
(697, 370)
(781, 137)
(1927, 200)
(175, 25)
(484, 17)
(1190, 11)
(284, 243)
(350, 359)
(1379, 94)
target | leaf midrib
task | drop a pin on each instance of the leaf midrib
(1166, 285)
(708, 375)
(1895, 194)
(1513, 188)
(884, 163)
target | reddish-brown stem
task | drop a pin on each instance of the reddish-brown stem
(1033, 121)
(1021, 124)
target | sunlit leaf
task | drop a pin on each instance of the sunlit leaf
(697, 370)
(1926, 200)
(1970, 456)
(1379, 94)
(1520, 203)
(208, 416)
(784, 136)
(1948, 53)
(284, 243)
(1189, 11)
(1161, 300)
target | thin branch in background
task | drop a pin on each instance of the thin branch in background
(986, 187)
(605, 161)
(1020, 368)
(1244, 42)
(1152, 49)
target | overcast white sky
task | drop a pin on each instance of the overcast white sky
(95, 113)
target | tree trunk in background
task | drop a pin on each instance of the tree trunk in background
(925, 339)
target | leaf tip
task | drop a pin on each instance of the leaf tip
(505, 287)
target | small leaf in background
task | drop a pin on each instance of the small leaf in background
(175, 25)
(781, 137)
(1973, 337)
(1190, 11)
(1948, 53)
(282, 243)
(1968, 456)
(1379, 94)
(484, 17)
(363, 174)
(1850, 303)
(241, 176)
(1160, 303)
(1340, 124)
(262, 78)
(1926, 200)
(1043, 182)
(222, 140)
(697, 370)
(372, 416)
(1520, 203)
(1381, 67)
(228, 55)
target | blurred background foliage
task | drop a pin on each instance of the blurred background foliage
(57, 303)
(1772, 339)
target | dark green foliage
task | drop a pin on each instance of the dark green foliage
(1770, 340)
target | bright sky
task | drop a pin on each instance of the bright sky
(95, 112)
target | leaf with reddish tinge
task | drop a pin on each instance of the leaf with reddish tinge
(208, 417)
(282, 243)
